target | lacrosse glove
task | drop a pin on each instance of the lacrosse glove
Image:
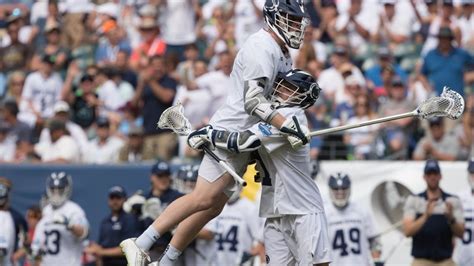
(63, 220)
(297, 134)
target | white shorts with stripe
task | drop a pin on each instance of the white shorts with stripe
(297, 240)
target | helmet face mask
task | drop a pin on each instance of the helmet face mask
(58, 188)
(340, 190)
(287, 19)
(295, 88)
(186, 178)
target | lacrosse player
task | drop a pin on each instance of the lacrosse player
(351, 229)
(464, 248)
(295, 230)
(59, 235)
(257, 63)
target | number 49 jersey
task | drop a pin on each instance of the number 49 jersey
(56, 244)
(464, 248)
(349, 231)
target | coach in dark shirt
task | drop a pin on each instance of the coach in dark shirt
(113, 229)
(433, 218)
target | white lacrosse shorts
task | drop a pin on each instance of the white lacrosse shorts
(211, 170)
(297, 240)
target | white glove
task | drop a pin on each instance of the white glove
(62, 219)
(297, 135)
(199, 137)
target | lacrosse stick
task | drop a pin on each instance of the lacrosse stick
(173, 118)
(449, 104)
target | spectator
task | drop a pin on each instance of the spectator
(332, 79)
(358, 25)
(52, 47)
(108, 92)
(156, 90)
(160, 179)
(344, 104)
(13, 224)
(432, 218)
(14, 88)
(445, 65)
(152, 44)
(7, 147)
(62, 149)
(62, 219)
(396, 132)
(61, 112)
(105, 147)
(42, 89)
(362, 140)
(122, 64)
(112, 42)
(114, 228)
(311, 49)
(385, 59)
(16, 55)
(463, 249)
(133, 150)
(185, 69)
(84, 102)
(438, 144)
(19, 133)
(466, 25)
(247, 15)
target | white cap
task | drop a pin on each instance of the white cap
(391, 2)
(61, 106)
(109, 9)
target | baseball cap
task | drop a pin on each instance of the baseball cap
(61, 106)
(102, 122)
(117, 191)
(148, 23)
(432, 166)
(397, 82)
(161, 168)
(340, 50)
(470, 166)
(148, 10)
(50, 59)
(445, 32)
(384, 52)
(435, 121)
(389, 2)
(56, 124)
(447, 2)
(87, 77)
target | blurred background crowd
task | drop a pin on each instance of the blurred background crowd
(85, 81)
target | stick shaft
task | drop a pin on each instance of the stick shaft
(224, 165)
(366, 123)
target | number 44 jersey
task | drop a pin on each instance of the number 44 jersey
(349, 233)
(54, 242)
(464, 248)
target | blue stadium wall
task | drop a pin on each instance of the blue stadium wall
(91, 184)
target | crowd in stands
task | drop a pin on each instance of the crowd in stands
(85, 81)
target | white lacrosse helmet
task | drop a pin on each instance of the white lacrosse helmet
(340, 189)
(58, 188)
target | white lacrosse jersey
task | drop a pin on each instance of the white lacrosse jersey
(260, 57)
(287, 186)
(464, 248)
(202, 252)
(238, 228)
(349, 232)
(7, 237)
(58, 245)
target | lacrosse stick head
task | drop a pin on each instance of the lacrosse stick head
(449, 104)
(173, 118)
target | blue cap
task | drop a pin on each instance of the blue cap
(432, 166)
(117, 191)
(161, 168)
(470, 166)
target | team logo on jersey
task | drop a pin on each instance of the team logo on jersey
(265, 129)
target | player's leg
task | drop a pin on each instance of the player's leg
(277, 251)
(189, 228)
(312, 240)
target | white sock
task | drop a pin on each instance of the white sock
(170, 256)
(147, 238)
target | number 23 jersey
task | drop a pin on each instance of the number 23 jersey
(58, 245)
(349, 231)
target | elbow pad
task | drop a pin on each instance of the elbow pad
(235, 141)
(255, 102)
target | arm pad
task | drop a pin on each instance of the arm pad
(255, 102)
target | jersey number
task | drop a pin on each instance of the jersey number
(52, 241)
(340, 242)
(468, 234)
(230, 237)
